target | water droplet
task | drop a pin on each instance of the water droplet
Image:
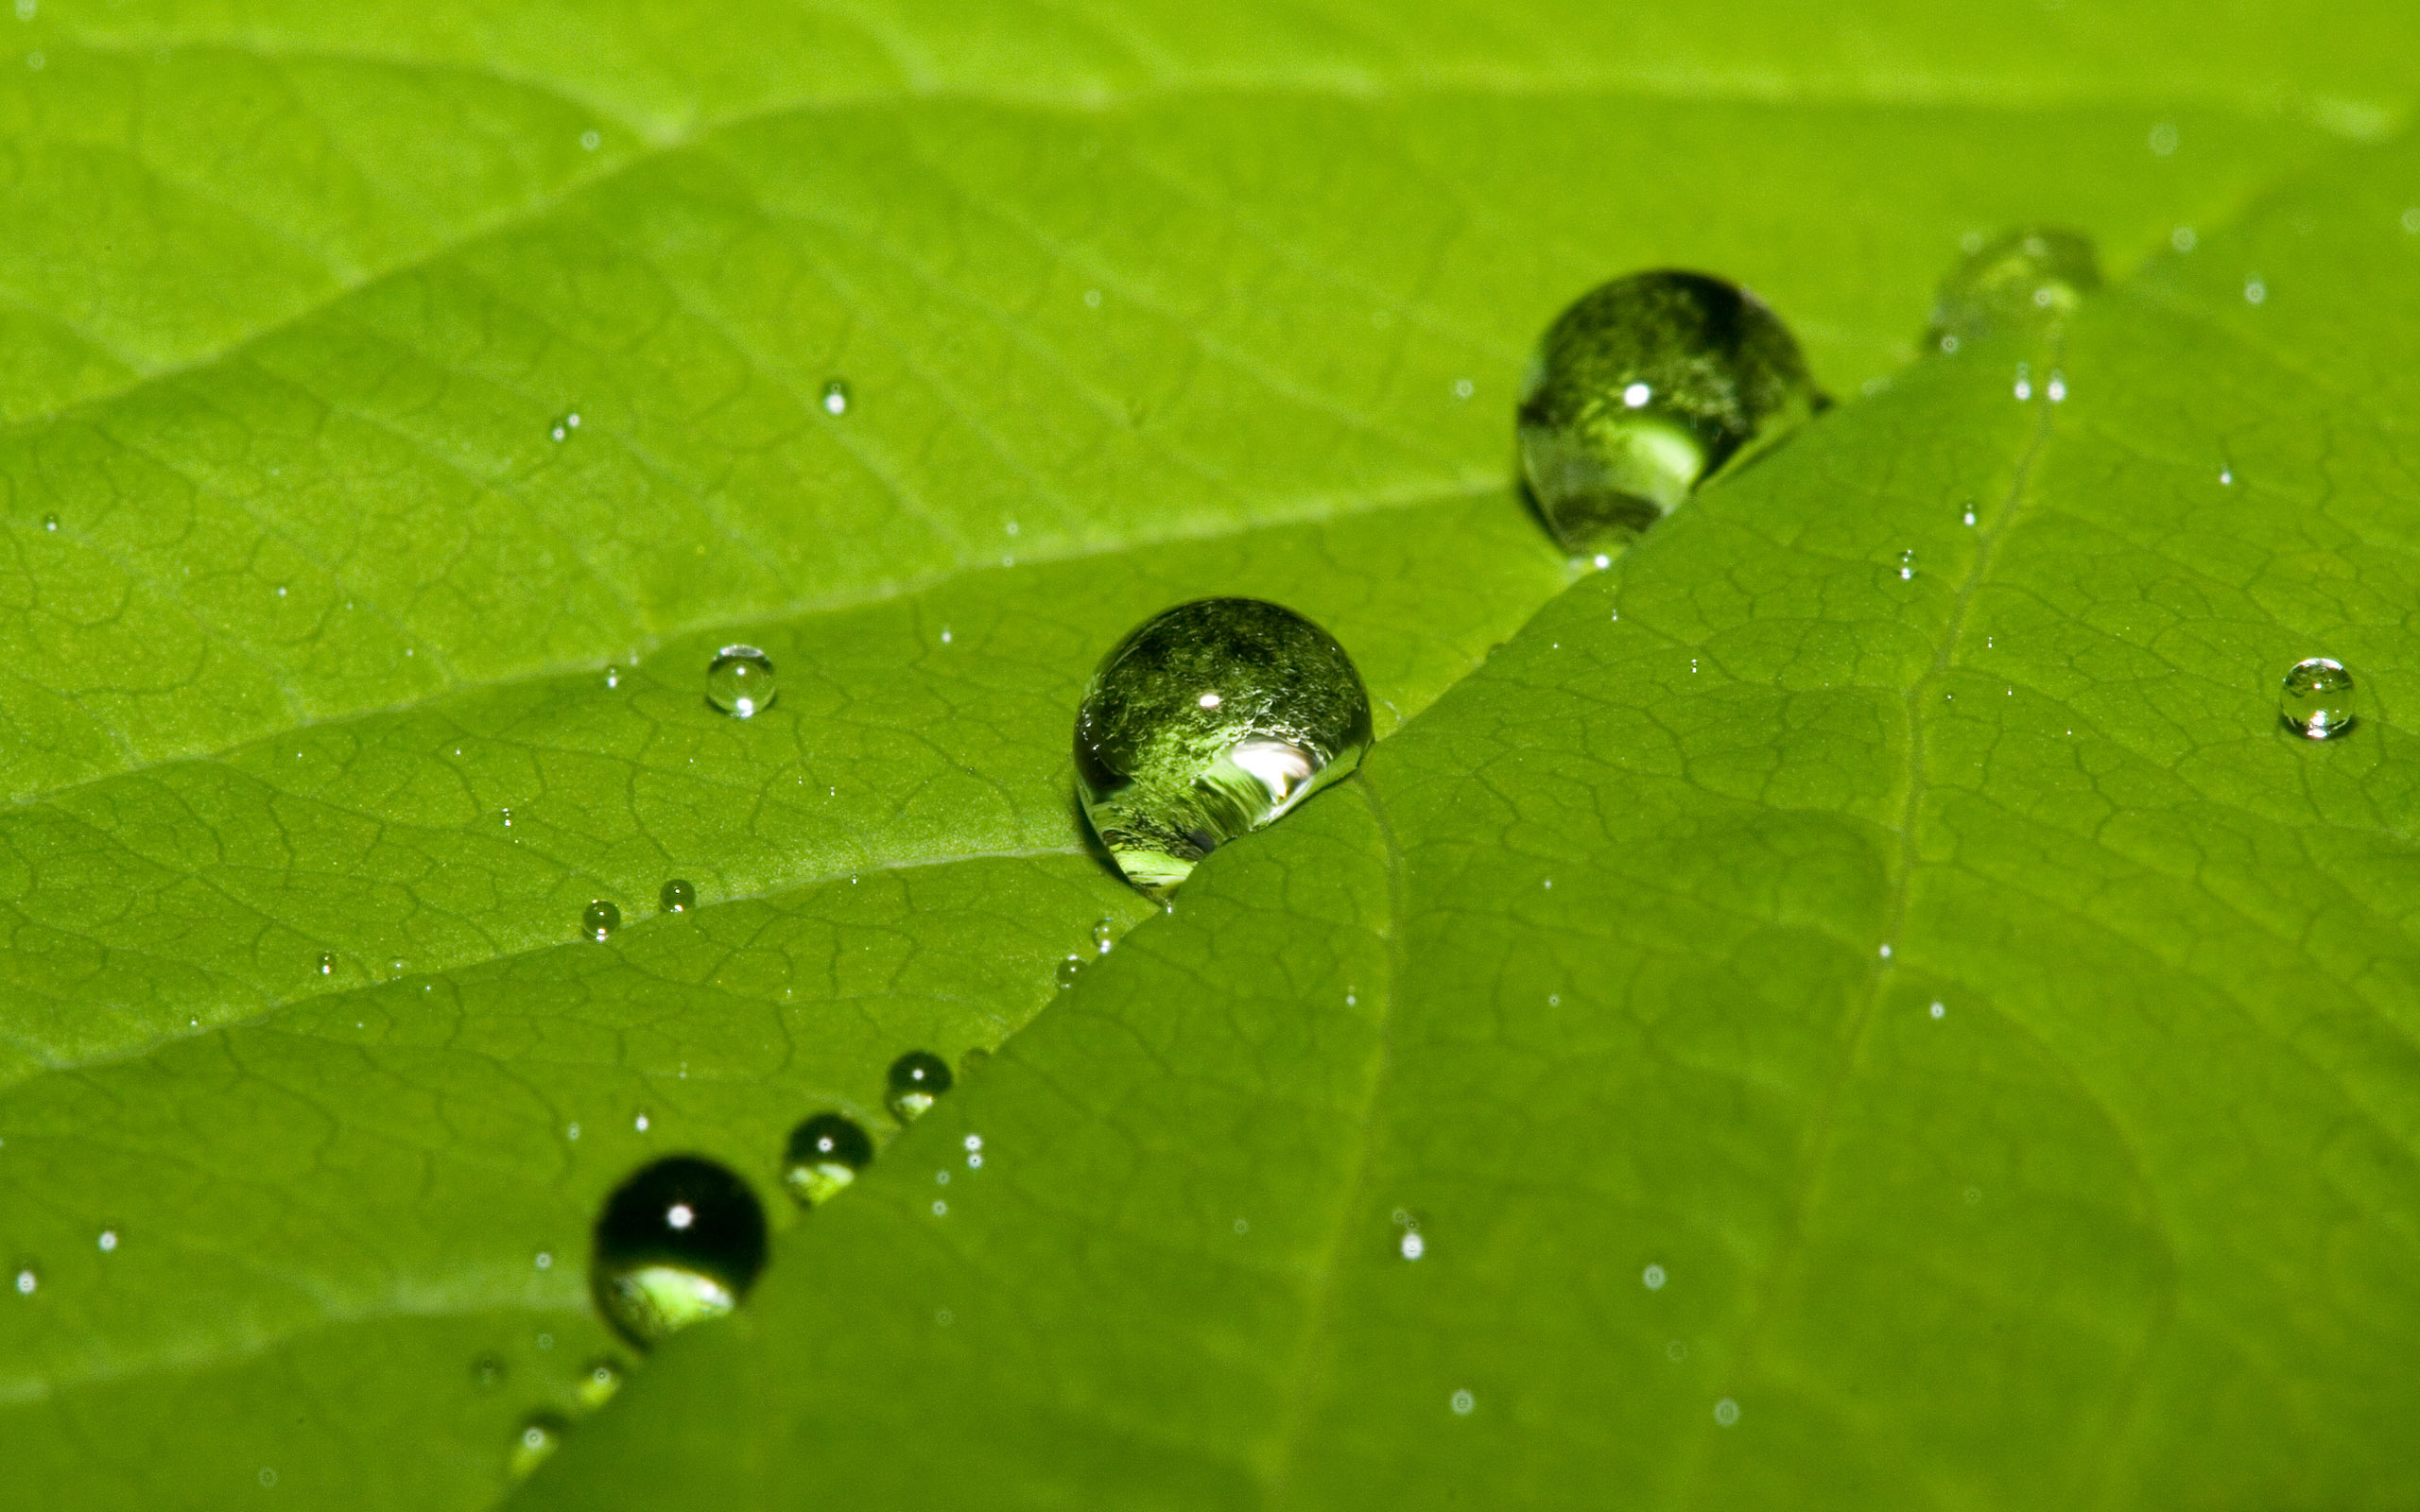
(1726, 1411)
(537, 1438)
(613, 676)
(2226, 477)
(917, 1079)
(678, 897)
(2024, 389)
(739, 681)
(1644, 388)
(2023, 280)
(639, 1122)
(825, 1154)
(1969, 516)
(1068, 970)
(1104, 937)
(28, 1279)
(2316, 700)
(2164, 138)
(327, 963)
(565, 426)
(1676, 1351)
(973, 1061)
(599, 919)
(1907, 565)
(507, 815)
(1165, 778)
(50, 521)
(589, 140)
(2056, 390)
(1462, 1402)
(2183, 239)
(1463, 389)
(108, 1241)
(1937, 1010)
(545, 1260)
(599, 1383)
(1654, 1277)
(1412, 1245)
(835, 397)
(680, 1240)
(571, 1131)
(488, 1372)
(2254, 291)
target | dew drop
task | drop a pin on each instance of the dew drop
(1907, 565)
(639, 1122)
(1643, 389)
(589, 141)
(2163, 140)
(1937, 1010)
(565, 426)
(1726, 1411)
(1462, 1402)
(825, 1154)
(2254, 291)
(1104, 937)
(917, 1079)
(678, 897)
(1068, 970)
(2022, 281)
(835, 397)
(537, 1438)
(2183, 239)
(679, 1242)
(739, 681)
(28, 1280)
(1412, 1246)
(2316, 700)
(327, 963)
(488, 1372)
(108, 1241)
(50, 521)
(599, 1383)
(1652, 1277)
(599, 919)
(2056, 390)
(1165, 777)
(613, 676)
(973, 1061)
(545, 1260)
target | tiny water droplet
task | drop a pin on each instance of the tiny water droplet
(679, 896)
(108, 1241)
(1654, 1277)
(1907, 565)
(1463, 389)
(507, 815)
(2022, 281)
(973, 1061)
(1462, 1402)
(825, 1154)
(2182, 238)
(679, 1242)
(1726, 1411)
(2316, 700)
(327, 963)
(571, 1131)
(2254, 291)
(599, 919)
(739, 681)
(599, 1383)
(2411, 220)
(545, 1260)
(2056, 392)
(835, 397)
(1644, 387)
(2226, 477)
(1104, 937)
(565, 426)
(1412, 1245)
(50, 521)
(589, 140)
(2024, 381)
(1068, 970)
(28, 1279)
(537, 1438)
(1937, 1010)
(639, 1122)
(917, 1079)
(488, 1372)
(2164, 138)
(1165, 775)
(613, 676)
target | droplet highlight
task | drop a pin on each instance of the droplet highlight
(917, 1079)
(835, 397)
(599, 1383)
(680, 1242)
(534, 1444)
(599, 920)
(1208, 721)
(2316, 700)
(679, 896)
(825, 1155)
(1070, 968)
(2022, 281)
(1644, 387)
(739, 681)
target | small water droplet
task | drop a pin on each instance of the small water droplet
(571, 1131)
(396, 965)
(2024, 389)
(50, 521)
(1644, 387)
(1412, 1246)
(2164, 138)
(917, 1080)
(1165, 776)
(2022, 281)
(613, 676)
(1654, 1277)
(2226, 477)
(1104, 937)
(537, 1438)
(835, 397)
(1463, 389)
(2316, 700)
(678, 897)
(488, 1372)
(1068, 970)
(639, 1122)
(599, 919)
(589, 141)
(1726, 1411)
(2183, 239)
(739, 681)
(973, 1061)
(545, 1260)
(2254, 291)
(1462, 1402)
(507, 815)
(108, 1241)
(327, 963)
(599, 1383)
(1907, 565)
(1969, 517)
(28, 1280)
(825, 1154)
(565, 426)
(1937, 1010)
(2056, 390)
(679, 1242)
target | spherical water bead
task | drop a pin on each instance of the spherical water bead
(2024, 280)
(679, 896)
(1070, 968)
(1212, 719)
(1644, 387)
(327, 963)
(599, 919)
(835, 397)
(537, 1439)
(599, 1383)
(680, 1240)
(917, 1079)
(1104, 937)
(739, 681)
(825, 1154)
(2316, 701)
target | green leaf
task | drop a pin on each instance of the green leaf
(301, 594)
(1838, 1035)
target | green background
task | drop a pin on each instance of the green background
(1585, 972)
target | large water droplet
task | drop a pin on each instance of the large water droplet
(2022, 281)
(1644, 388)
(1070, 968)
(2316, 700)
(679, 897)
(599, 919)
(680, 1240)
(917, 1079)
(739, 681)
(1210, 720)
(537, 1438)
(825, 1154)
